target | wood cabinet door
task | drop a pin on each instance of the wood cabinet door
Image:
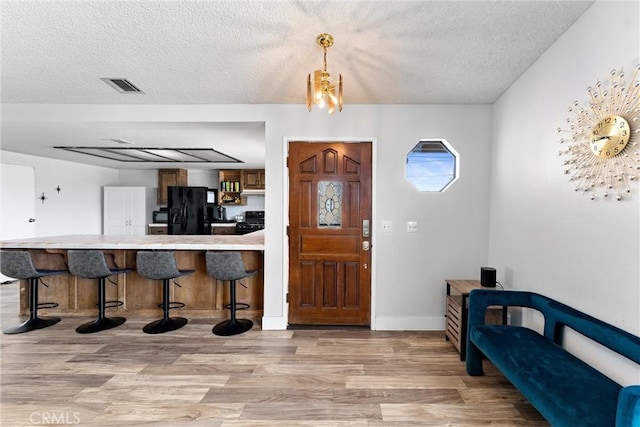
(170, 178)
(329, 214)
(253, 179)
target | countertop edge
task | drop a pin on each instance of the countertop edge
(247, 242)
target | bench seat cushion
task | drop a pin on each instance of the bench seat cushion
(565, 390)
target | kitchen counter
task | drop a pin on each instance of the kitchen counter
(247, 242)
(203, 295)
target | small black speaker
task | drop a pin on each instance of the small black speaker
(488, 277)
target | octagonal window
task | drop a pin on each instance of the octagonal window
(432, 165)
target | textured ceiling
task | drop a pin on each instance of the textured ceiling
(259, 52)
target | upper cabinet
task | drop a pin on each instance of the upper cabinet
(231, 187)
(170, 178)
(253, 179)
(236, 184)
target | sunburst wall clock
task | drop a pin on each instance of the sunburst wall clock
(601, 148)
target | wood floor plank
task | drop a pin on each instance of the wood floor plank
(138, 395)
(176, 412)
(445, 413)
(369, 395)
(295, 381)
(270, 394)
(310, 411)
(315, 368)
(306, 377)
(405, 381)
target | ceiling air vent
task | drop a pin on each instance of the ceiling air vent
(121, 85)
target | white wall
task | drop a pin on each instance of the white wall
(544, 236)
(77, 208)
(409, 269)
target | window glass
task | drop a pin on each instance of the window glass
(329, 204)
(432, 165)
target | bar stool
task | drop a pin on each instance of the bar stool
(19, 265)
(162, 266)
(91, 264)
(228, 266)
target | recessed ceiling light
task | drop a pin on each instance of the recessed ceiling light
(122, 85)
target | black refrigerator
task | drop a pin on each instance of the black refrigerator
(188, 210)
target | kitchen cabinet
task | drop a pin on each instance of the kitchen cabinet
(170, 178)
(158, 229)
(253, 179)
(231, 187)
(126, 210)
(219, 230)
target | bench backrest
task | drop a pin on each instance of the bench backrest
(556, 315)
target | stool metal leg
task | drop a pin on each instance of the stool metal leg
(166, 324)
(232, 326)
(34, 321)
(103, 322)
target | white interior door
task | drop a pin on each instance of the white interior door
(17, 203)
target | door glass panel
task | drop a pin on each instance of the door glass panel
(329, 204)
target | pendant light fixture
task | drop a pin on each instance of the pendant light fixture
(321, 90)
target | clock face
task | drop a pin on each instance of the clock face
(601, 146)
(610, 136)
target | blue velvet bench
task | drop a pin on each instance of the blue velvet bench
(564, 389)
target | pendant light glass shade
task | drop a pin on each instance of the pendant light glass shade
(322, 89)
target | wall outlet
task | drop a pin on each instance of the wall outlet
(386, 226)
(412, 227)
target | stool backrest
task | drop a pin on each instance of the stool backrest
(17, 264)
(89, 264)
(157, 265)
(225, 265)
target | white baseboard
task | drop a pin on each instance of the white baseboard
(410, 323)
(381, 324)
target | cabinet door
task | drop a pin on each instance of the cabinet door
(170, 178)
(116, 210)
(137, 211)
(253, 179)
(125, 211)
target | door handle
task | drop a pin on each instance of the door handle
(365, 228)
(365, 245)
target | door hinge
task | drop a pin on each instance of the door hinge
(287, 298)
(287, 230)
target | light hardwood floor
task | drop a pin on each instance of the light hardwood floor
(303, 377)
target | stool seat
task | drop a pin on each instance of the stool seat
(228, 266)
(91, 264)
(19, 265)
(162, 265)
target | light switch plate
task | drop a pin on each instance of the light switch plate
(412, 227)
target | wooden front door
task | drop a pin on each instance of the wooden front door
(329, 233)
